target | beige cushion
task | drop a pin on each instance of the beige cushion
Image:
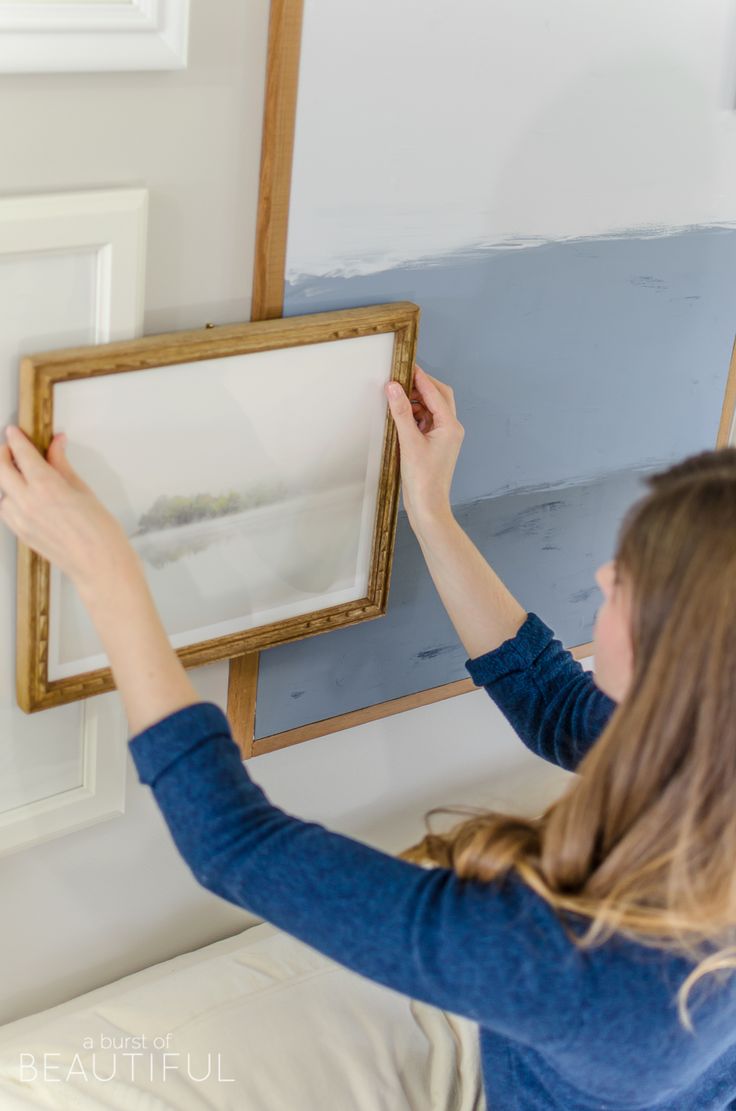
(278, 1026)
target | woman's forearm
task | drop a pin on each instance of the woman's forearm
(148, 674)
(483, 610)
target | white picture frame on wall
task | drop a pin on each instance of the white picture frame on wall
(100, 794)
(72, 269)
(73, 36)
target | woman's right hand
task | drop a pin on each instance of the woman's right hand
(430, 436)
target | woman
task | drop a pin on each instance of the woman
(640, 849)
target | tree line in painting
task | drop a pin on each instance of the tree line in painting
(171, 511)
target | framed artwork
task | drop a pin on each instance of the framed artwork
(254, 468)
(72, 269)
(565, 413)
(63, 36)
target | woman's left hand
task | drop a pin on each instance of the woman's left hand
(50, 509)
(48, 506)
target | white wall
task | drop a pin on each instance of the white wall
(90, 907)
(566, 119)
(104, 901)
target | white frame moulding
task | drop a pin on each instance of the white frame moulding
(72, 36)
(112, 222)
(101, 794)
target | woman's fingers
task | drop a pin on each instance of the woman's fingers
(11, 480)
(402, 411)
(58, 460)
(439, 401)
(432, 401)
(13, 517)
(31, 463)
(423, 418)
(430, 436)
(444, 389)
(422, 415)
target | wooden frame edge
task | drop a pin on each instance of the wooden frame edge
(219, 340)
(281, 86)
(252, 747)
(277, 156)
(32, 572)
(727, 426)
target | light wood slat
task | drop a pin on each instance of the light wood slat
(277, 155)
(372, 713)
(241, 700)
(277, 147)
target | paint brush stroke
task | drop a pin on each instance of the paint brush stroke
(374, 262)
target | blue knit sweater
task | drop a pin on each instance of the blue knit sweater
(559, 1027)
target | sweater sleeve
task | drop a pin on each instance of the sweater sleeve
(546, 695)
(493, 952)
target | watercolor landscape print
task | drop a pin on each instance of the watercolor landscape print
(247, 484)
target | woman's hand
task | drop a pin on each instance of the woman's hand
(50, 509)
(48, 506)
(430, 436)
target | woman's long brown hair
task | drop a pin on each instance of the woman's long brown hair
(643, 841)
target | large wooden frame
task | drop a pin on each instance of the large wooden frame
(282, 77)
(279, 118)
(40, 373)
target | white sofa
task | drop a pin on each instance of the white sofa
(257, 1022)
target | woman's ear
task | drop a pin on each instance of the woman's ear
(604, 577)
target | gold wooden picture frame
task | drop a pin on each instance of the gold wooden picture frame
(47, 379)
